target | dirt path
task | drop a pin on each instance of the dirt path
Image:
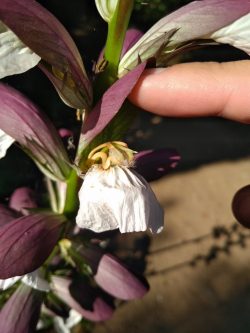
(204, 298)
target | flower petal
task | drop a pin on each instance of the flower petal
(22, 120)
(153, 164)
(44, 34)
(22, 199)
(21, 312)
(5, 142)
(7, 283)
(113, 276)
(82, 298)
(35, 281)
(106, 8)
(193, 21)
(236, 34)
(118, 197)
(15, 57)
(64, 325)
(25, 243)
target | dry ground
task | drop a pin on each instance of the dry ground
(205, 298)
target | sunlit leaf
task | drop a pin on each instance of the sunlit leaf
(21, 120)
(44, 34)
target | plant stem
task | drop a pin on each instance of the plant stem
(71, 202)
(116, 33)
(117, 28)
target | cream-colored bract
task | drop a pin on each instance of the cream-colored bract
(236, 34)
(106, 8)
(5, 142)
(15, 57)
(64, 325)
(31, 279)
(118, 198)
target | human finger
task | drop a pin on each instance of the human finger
(196, 89)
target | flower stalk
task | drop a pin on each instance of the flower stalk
(117, 28)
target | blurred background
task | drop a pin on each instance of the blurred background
(199, 267)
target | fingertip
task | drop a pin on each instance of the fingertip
(196, 89)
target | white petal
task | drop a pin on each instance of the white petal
(5, 142)
(5, 284)
(118, 197)
(35, 281)
(64, 326)
(15, 57)
(106, 8)
(236, 34)
(60, 326)
(73, 319)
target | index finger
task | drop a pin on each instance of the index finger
(196, 90)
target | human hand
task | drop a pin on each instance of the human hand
(196, 90)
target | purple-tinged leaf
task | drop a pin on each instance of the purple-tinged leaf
(108, 106)
(20, 119)
(113, 276)
(25, 243)
(241, 206)
(21, 312)
(7, 215)
(23, 199)
(44, 34)
(153, 164)
(82, 298)
(196, 20)
(132, 36)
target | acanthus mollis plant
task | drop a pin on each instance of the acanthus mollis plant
(48, 267)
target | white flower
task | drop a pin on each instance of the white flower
(5, 142)
(118, 198)
(31, 279)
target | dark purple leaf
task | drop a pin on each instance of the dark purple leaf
(7, 215)
(241, 206)
(113, 276)
(25, 243)
(82, 298)
(153, 164)
(46, 36)
(22, 199)
(21, 312)
(196, 20)
(21, 119)
(108, 106)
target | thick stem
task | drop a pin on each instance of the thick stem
(72, 202)
(117, 28)
(116, 33)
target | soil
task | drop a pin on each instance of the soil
(199, 274)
